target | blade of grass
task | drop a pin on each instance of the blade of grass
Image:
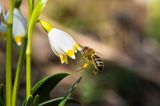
(18, 71)
(66, 97)
(56, 101)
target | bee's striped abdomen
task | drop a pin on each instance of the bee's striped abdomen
(98, 63)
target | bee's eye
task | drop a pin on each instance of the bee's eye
(83, 49)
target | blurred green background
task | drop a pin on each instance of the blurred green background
(126, 33)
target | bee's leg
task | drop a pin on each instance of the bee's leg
(85, 66)
(80, 62)
(83, 59)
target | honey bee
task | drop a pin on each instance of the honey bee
(90, 56)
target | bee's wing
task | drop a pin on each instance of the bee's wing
(98, 54)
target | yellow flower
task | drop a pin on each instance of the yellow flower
(62, 44)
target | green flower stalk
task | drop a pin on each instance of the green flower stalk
(28, 55)
(9, 55)
(18, 71)
(33, 17)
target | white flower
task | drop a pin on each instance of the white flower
(62, 44)
(3, 27)
(19, 26)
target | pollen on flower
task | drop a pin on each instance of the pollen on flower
(63, 59)
(77, 46)
(18, 40)
(75, 49)
(70, 53)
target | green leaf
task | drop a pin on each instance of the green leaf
(55, 102)
(1, 102)
(44, 86)
(29, 101)
(66, 97)
(1, 95)
(36, 100)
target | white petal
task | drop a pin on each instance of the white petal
(19, 23)
(61, 39)
(54, 45)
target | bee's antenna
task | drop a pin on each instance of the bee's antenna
(81, 46)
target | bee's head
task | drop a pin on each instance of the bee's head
(84, 49)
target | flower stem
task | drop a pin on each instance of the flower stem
(18, 71)
(28, 75)
(9, 66)
(9, 55)
(30, 8)
(28, 51)
(28, 62)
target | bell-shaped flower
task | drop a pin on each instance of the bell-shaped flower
(19, 26)
(62, 44)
